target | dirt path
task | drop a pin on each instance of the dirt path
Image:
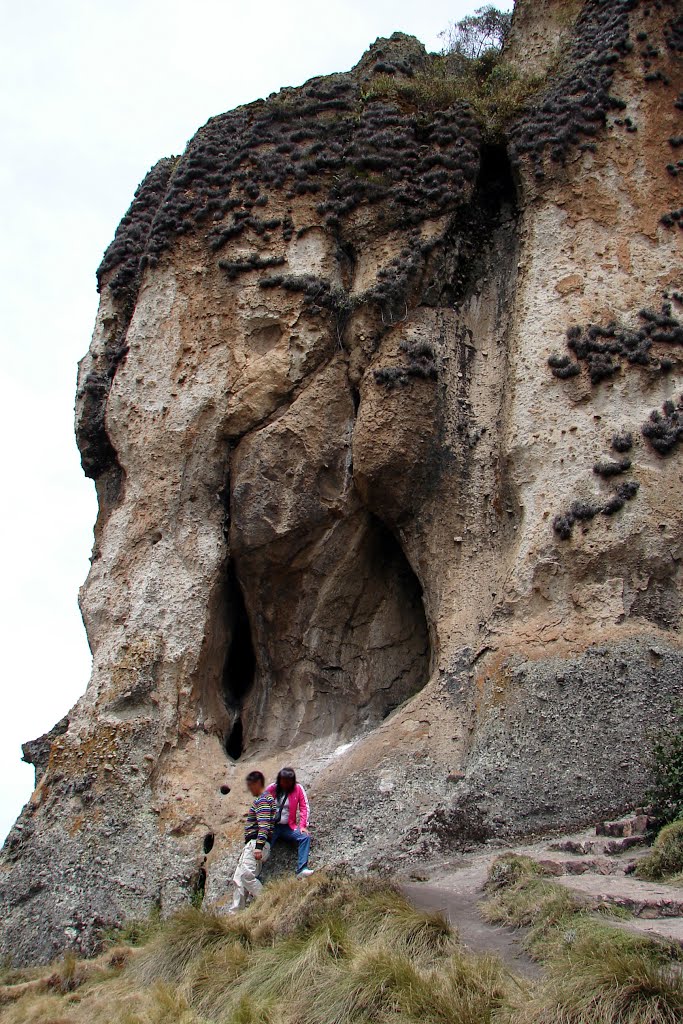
(458, 896)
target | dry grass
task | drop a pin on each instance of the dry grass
(496, 92)
(335, 950)
(604, 984)
(596, 973)
(332, 950)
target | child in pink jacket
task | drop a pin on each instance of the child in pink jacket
(291, 802)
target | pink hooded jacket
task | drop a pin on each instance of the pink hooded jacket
(297, 801)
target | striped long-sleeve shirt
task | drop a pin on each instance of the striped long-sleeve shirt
(259, 824)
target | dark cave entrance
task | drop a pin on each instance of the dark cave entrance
(239, 669)
(495, 191)
(388, 625)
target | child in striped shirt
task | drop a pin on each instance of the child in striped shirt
(258, 833)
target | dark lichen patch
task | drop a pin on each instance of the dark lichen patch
(585, 511)
(664, 430)
(125, 252)
(672, 218)
(121, 268)
(622, 442)
(604, 349)
(576, 105)
(234, 268)
(319, 294)
(319, 139)
(611, 467)
(673, 35)
(421, 364)
(563, 368)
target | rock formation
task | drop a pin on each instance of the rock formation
(383, 409)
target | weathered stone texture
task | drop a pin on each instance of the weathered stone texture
(349, 518)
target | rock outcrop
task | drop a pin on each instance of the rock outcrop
(382, 406)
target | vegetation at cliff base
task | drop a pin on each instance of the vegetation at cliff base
(666, 858)
(665, 861)
(667, 771)
(340, 950)
(595, 973)
(332, 950)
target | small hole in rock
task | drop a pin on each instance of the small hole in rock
(225, 790)
(208, 842)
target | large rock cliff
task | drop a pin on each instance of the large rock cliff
(383, 408)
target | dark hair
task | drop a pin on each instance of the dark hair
(256, 777)
(284, 773)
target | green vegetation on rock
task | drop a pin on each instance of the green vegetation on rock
(494, 90)
(666, 858)
(667, 771)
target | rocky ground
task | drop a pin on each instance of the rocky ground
(596, 865)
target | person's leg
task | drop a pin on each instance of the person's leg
(278, 833)
(302, 840)
(252, 869)
(240, 892)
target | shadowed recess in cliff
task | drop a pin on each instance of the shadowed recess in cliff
(467, 254)
(341, 628)
(240, 664)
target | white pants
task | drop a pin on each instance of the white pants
(246, 877)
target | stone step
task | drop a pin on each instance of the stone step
(633, 825)
(662, 929)
(608, 847)
(644, 900)
(582, 865)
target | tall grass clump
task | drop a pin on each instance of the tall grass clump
(596, 973)
(333, 950)
(336, 950)
(665, 860)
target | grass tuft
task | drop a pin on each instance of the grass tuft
(666, 857)
(596, 973)
(495, 91)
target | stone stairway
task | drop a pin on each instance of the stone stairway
(599, 867)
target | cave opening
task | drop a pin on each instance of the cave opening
(496, 192)
(239, 669)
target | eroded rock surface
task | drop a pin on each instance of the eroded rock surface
(382, 406)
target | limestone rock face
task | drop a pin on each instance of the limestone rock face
(382, 406)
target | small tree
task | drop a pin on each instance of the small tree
(667, 770)
(486, 29)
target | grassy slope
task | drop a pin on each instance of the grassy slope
(354, 951)
(596, 973)
(332, 950)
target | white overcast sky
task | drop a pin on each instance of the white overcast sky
(91, 95)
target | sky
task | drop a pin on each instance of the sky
(91, 95)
